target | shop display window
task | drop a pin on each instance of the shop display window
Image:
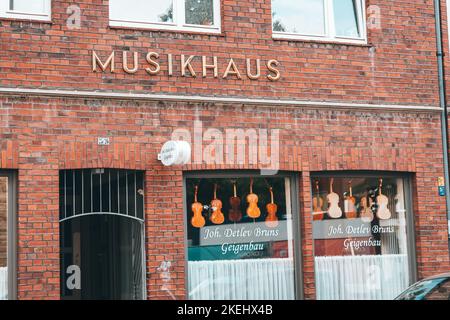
(240, 238)
(360, 231)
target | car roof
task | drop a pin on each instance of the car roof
(442, 275)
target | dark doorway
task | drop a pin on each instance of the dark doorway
(102, 234)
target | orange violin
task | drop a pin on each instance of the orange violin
(252, 199)
(217, 216)
(197, 221)
(271, 219)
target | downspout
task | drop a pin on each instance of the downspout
(442, 100)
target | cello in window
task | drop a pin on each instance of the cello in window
(235, 213)
(349, 204)
(271, 219)
(334, 211)
(383, 212)
(317, 205)
(365, 206)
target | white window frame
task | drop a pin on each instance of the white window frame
(5, 12)
(330, 32)
(178, 23)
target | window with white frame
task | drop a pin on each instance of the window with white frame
(335, 20)
(189, 15)
(26, 9)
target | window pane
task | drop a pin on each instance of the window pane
(420, 290)
(237, 256)
(142, 10)
(346, 18)
(305, 17)
(28, 6)
(199, 12)
(3, 238)
(360, 238)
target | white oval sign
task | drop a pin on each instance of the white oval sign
(175, 153)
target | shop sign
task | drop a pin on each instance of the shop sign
(334, 229)
(175, 153)
(188, 66)
(252, 233)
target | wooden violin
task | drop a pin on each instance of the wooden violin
(366, 213)
(334, 211)
(217, 216)
(318, 213)
(349, 204)
(271, 219)
(383, 212)
(235, 213)
(197, 221)
(252, 199)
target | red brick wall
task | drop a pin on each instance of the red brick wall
(61, 133)
(397, 67)
(40, 136)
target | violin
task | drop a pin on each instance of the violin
(271, 219)
(383, 212)
(334, 211)
(366, 213)
(349, 204)
(235, 213)
(217, 216)
(197, 221)
(318, 213)
(252, 199)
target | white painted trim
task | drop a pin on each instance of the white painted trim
(46, 15)
(178, 24)
(330, 32)
(215, 99)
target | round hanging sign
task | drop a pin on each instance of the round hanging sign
(175, 153)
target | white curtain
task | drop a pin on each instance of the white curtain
(3, 283)
(256, 279)
(376, 277)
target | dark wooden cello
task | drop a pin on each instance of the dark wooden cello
(235, 213)
(318, 213)
(271, 219)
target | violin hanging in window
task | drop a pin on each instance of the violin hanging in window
(318, 213)
(197, 221)
(271, 219)
(235, 213)
(217, 216)
(252, 199)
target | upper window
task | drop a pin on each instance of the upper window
(189, 15)
(335, 20)
(26, 9)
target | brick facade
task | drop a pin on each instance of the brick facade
(41, 135)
